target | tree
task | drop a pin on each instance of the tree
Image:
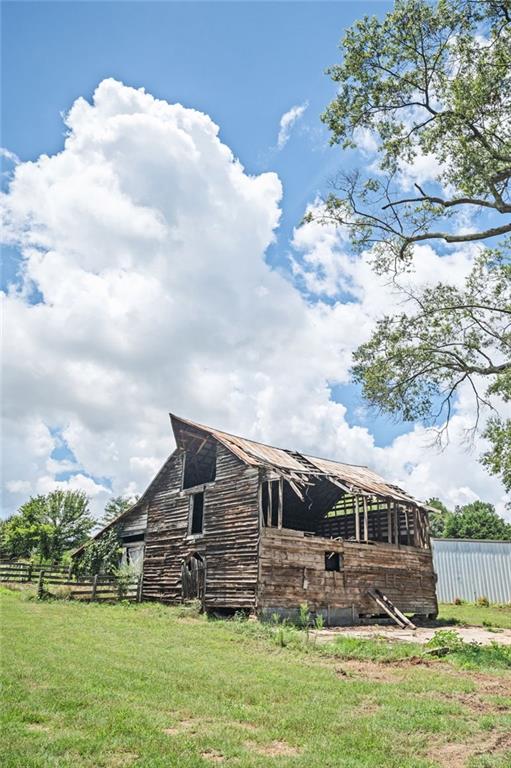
(27, 531)
(416, 361)
(498, 459)
(478, 520)
(116, 506)
(101, 555)
(437, 518)
(48, 525)
(432, 81)
(429, 80)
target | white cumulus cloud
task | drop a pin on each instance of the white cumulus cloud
(287, 121)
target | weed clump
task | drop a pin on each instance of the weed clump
(471, 655)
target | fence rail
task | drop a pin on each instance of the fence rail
(87, 587)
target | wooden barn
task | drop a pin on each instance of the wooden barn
(242, 525)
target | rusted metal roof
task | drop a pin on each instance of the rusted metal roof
(250, 452)
(360, 478)
(353, 477)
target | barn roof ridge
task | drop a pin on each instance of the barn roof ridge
(290, 451)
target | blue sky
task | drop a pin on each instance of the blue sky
(243, 63)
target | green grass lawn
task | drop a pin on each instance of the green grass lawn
(475, 615)
(148, 686)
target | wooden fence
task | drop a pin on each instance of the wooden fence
(55, 579)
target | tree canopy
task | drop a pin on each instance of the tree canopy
(116, 506)
(437, 516)
(477, 520)
(101, 555)
(48, 526)
(429, 84)
(416, 361)
(429, 80)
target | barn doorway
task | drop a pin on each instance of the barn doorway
(193, 578)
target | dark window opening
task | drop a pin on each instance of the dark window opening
(270, 503)
(197, 513)
(304, 511)
(264, 502)
(332, 561)
(275, 503)
(200, 463)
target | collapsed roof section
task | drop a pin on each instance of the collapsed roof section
(298, 469)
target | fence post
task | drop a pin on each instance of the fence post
(94, 586)
(139, 588)
(70, 572)
(29, 575)
(40, 585)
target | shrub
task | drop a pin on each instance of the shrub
(446, 638)
(482, 602)
(457, 601)
(101, 555)
(125, 576)
(472, 655)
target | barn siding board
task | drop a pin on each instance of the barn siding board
(134, 523)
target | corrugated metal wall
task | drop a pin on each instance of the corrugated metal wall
(471, 569)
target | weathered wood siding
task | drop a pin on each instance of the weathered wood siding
(292, 571)
(228, 543)
(134, 523)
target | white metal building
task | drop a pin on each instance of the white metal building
(469, 569)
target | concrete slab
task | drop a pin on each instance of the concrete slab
(420, 635)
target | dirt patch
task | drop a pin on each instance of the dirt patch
(366, 708)
(456, 755)
(452, 755)
(473, 702)
(492, 684)
(213, 756)
(274, 749)
(190, 726)
(371, 670)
